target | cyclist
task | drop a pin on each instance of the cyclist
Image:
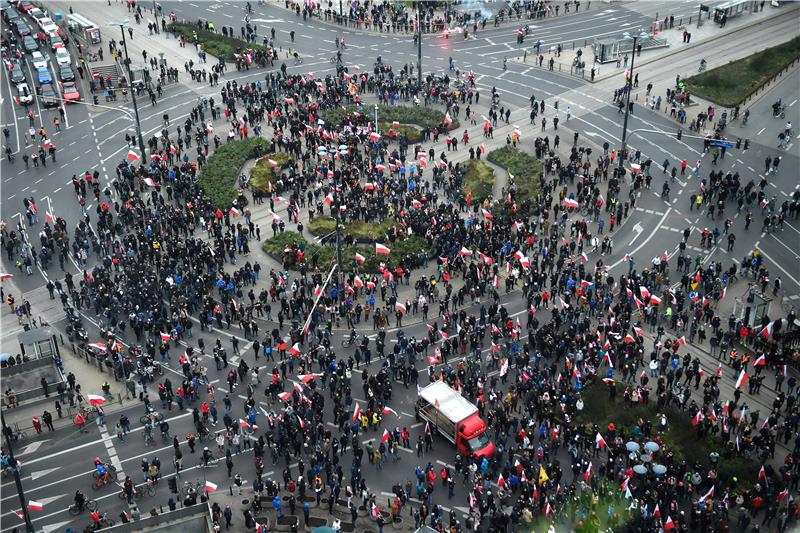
(147, 434)
(127, 488)
(338, 56)
(80, 500)
(164, 427)
(207, 456)
(353, 336)
(95, 516)
(102, 471)
(787, 128)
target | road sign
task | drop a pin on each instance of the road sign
(722, 144)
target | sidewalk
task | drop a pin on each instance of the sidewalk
(108, 17)
(699, 37)
(331, 17)
(88, 376)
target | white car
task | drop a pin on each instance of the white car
(24, 95)
(48, 26)
(37, 14)
(38, 60)
(63, 57)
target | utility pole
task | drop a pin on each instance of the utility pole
(419, 44)
(376, 118)
(26, 515)
(122, 26)
(621, 155)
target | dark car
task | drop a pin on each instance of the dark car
(48, 95)
(65, 73)
(56, 41)
(17, 76)
(22, 28)
(11, 15)
(29, 44)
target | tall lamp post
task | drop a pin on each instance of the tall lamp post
(621, 157)
(26, 515)
(122, 25)
(419, 44)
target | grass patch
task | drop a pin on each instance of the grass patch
(478, 180)
(323, 256)
(411, 133)
(525, 168)
(680, 437)
(220, 173)
(262, 174)
(215, 44)
(358, 230)
(424, 117)
(731, 84)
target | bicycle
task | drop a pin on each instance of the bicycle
(337, 60)
(154, 416)
(111, 471)
(101, 482)
(140, 492)
(346, 343)
(298, 61)
(211, 462)
(18, 436)
(104, 522)
(88, 505)
(88, 413)
(188, 486)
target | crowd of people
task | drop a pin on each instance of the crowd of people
(156, 257)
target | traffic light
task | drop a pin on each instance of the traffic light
(738, 143)
(746, 144)
(680, 133)
(173, 485)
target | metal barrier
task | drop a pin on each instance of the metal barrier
(181, 514)
(765, 86)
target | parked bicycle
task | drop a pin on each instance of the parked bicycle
(90, 505)
(104, 522)
(140, 492)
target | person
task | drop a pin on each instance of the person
(102, 472)
(80, 500)
(207, 456)
(702, 64)
(776, 107)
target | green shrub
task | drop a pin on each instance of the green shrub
(213, 43)
(729, 85)
(357, 230)
(219, 174)
(412, 134)
(262, 174)
(680, 437)
(424, 117)
(326, 254)
(478, 180)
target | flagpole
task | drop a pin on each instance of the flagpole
(20, 491)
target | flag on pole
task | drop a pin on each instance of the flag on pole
(33, 505)
(210, 487)
(356, 412)
(386, 435)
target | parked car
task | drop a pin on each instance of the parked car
(17, 75)
(29, 44)
(48, 95)
(38, 60)
(56, 41)
(65, 73)
(11, 15)
(70, 90)
(44, 76)
(25, 5)
(63, 57)
(24, 95)
(47, 25)
(22, 28)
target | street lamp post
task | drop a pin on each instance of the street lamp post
(127, 61)
(621, 155)
(419, 44)
(26, 515)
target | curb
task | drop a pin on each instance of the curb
(643, 62)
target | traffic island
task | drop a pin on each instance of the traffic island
(684, 437)
(731, 84)
(218, 177)
(293, 250)
(478, 182)
(354, 232)
(265, 174)
(216, 44)
(391, 116)
(525, 178)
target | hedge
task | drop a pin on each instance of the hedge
(326, 255)
(411, 133)
(220, 173)
(262, 174)
(359, 229)
(680, 437)
(478, 180)
(214, 43)
(525, 168)
(731, 84)
(424, 117)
